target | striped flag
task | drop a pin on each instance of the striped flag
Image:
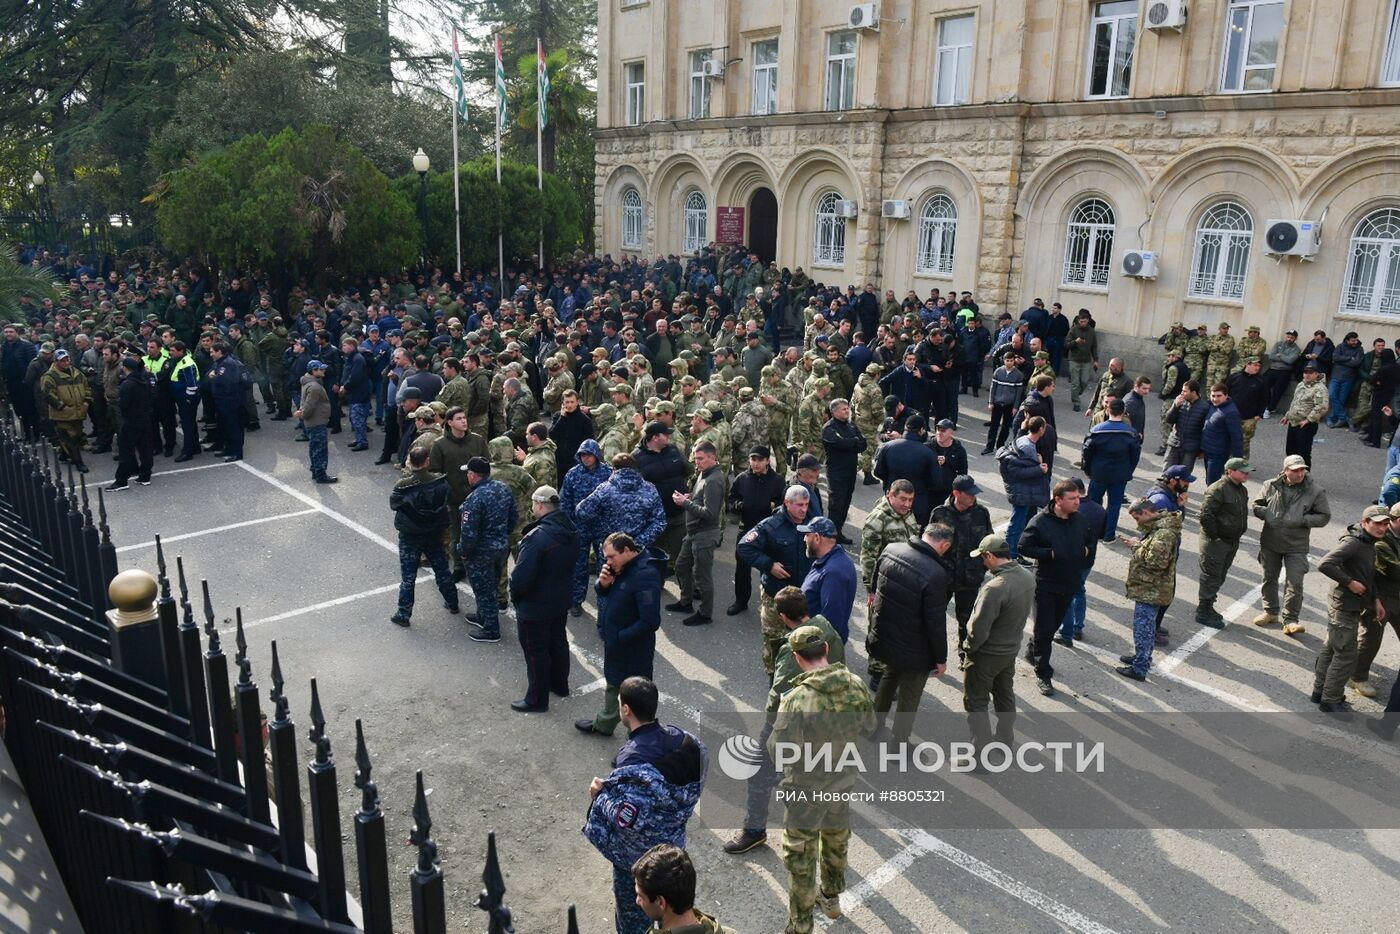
(500, 84)
(542, 92)
(459, 78)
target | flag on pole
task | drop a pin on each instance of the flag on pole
(459, 78)
(500, 84)
(542, 95)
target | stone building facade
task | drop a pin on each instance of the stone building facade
(1032, 142)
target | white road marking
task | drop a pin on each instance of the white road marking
(321, 507)
(884, 874)
(338, 601)
(1187, 648)
(216, 530)
(591, 686)
(169, 473)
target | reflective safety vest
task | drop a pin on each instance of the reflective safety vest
(154, 366)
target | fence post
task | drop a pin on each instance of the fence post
(429, 909)
(108, 550)
(370, 852)
(93, 585)
(191, 665)
(325, 817)
(249, 716)
(573, 921)
(492, 897)
(286, 782)
(135, 627)
(216, 683)
(168, 626)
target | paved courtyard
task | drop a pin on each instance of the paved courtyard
(314, 569)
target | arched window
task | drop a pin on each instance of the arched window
(631, 219)
(938, 233)
(697, 222)
(1373, 272)
(829, 239)
(1223, 238)
(1089, 244)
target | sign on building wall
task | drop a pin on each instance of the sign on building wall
(729, 225)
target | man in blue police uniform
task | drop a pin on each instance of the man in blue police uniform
(488, 515)
(227, 382)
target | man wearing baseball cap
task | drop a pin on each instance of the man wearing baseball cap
(1224, 518)
(66, 393)
(993, 637)
(1352, 569)
(1306, 411)
(830, 582)
(1291, 506)
(315, 415)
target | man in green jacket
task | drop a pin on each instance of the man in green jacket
(1291, 505)
(1351, 567)
(1082, 349)
(993, 638)
(449, 455)
(1151, 583)
(1224, 518)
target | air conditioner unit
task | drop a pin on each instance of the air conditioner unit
(895, 209)
(713, 68)
(865, 16)
(1140, 264)
(847, 209)
(1292, 238)
(1166, 14)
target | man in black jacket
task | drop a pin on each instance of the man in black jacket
(1060, 541)
(570, 428)
(950, 461)
(908, 626)
(970, 522)
(135, 404)
(844, 444)
(661, 465)
(909, 458)
(753, 496)
(541, 605)
(419, 502)
(1250, 393)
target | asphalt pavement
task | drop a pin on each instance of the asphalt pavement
(314, 568)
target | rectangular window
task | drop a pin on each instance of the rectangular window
(1112, 34)
(840, 70)
(1390, 70)
(634, 77)
(953, 62)
(699, 85)
(1253, 29)
(765, 77)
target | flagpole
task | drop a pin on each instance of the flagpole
(500, 229)
(539, 137)
(456, 181)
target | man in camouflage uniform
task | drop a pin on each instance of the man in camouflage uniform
(488, 515)
(456, 392)
(246, 352)
(704, 426)
(811, 416)
(827, 705)
(689, 399)
(868, 412)
(1197, 351)
(664, 411)
(780, 398)
(517, 480)
(643, 383)
(1253, 346)
(1222, 354)
(65, 394)
(521, 408)
(1151, 582)
(539, 462)
(1177, 339)
(750, 428)
(271, 346)
(560, 382)
(615, 437)
(1042, 366)
(891, 521)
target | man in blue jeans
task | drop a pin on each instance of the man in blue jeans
(1027, 479)
(1346, 364)
(1111, 452)
(1072, 626)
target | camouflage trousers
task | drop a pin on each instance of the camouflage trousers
(777, 445)
(629, 919)
(1247, 429)
(774, 632)
(814, 834)
(482, 573)
(503, 579)
(866, 462)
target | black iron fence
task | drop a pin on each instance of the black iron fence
(163, 805)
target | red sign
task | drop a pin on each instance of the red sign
(729, 225)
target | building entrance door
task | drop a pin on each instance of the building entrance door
(763, 224)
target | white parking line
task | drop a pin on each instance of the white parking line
(217, 529)
(170, 473)
(326, 604)
(319, 506)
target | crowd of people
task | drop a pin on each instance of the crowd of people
(613, 419)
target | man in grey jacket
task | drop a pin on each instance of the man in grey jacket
(993, 637)
(1292, 505)
(704, 511)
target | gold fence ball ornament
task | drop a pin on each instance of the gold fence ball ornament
(133, 593)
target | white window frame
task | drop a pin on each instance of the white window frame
(1116, 23)
(961, 55)
(1220, 262)
(765, 78)
(841, 66)
(636, 95)
(632, 218)
(1246, 33)
(696, 230)
(938, 233)
(699, 107)
(1087, 226)
(1390, 65)
(828, 233)
(1375, 255)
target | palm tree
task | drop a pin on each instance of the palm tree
(569, 107)
(323, 209)
(16, 279)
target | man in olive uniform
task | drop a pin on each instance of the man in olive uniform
(478, 377)
(271, 347)
(868, 408)
(1253, 346)
(749, 428)
(1224, 518)
(245, 352)
(827, 706)
(1222, 355)
(540, 461)
(560, 382)
(1177, 339)
(993, 637)
(521, 408)
(522, 486)
(66, 393)
(892, 520)
(1082, 350)
(1196, 352)
(449, 455)
(1116, 383)
(1351, 566)
(811, 417)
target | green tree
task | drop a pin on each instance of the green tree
(569, 107)
(17, 279)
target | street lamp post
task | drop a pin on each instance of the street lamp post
(421, 165)
(39, 192)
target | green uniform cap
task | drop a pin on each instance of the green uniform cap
(805, 637)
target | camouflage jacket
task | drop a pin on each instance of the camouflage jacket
(1222, 351)
(883, 527)
(750, 428)
(1253, 347)
(457, 392)
(554, 391)
(1309, 403)
(826, 706)
(521, 411)
(807, 433)
(868, 405)
(1152, 566)
(488, 515)
(540, 463)
(515, 478)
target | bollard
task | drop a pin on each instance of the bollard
(135, 627)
